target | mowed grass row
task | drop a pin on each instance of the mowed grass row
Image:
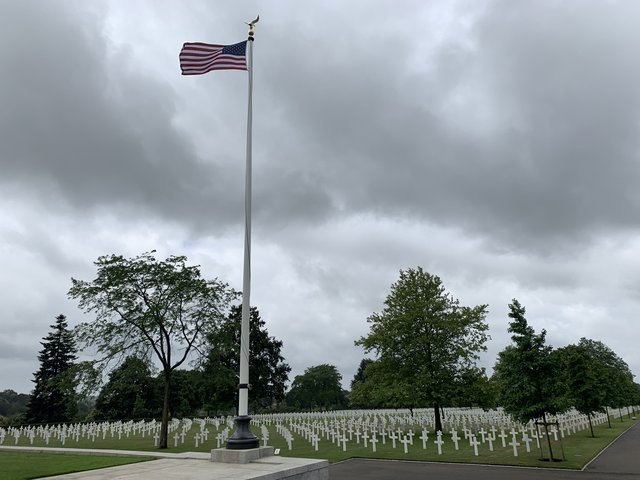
(579, 448)
(29, 465)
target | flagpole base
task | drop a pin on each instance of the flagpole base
(242, 438)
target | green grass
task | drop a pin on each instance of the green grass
(132, 442)
(579, 448)
(27, 465)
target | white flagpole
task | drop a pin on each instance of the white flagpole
(243, 408)
(243, 438)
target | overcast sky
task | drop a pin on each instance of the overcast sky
(496, 144)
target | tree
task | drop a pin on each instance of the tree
(360, 400)
(423, 339)
(616, 379)
(474, 389)
(13, 403)
(187, 393)
(129, 393)
(268, 373)
(318, 388)
(54, 399)
(147, 307)
(529, 378)
(381, 389)
(361, 375)
(583, 377)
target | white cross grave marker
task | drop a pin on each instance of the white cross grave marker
(503, 436)
(439, 442)
(373, 441)
(515, 446)
(474, 443)
(455, 438)
(393, 438)
(425, 438)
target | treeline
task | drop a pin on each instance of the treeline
(12, 403)
(427, 346)
(135, 389)
(150, 316)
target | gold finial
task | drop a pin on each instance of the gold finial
(252, 24)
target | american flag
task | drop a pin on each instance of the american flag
(198, 58)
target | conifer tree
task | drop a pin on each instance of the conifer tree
(268, 372)
(53, 399)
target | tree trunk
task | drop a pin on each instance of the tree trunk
(606, 410)
(546, 431)
(436, 411)
(590, 425)
(164, 426)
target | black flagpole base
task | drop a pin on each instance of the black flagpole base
(242, 438)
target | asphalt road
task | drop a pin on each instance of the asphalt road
(621, 460)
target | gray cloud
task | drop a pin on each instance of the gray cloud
(493, 143)
(527, 135)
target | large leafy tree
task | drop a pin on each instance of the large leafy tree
(583, 378)
(129, 394)
(528, 376)
(424, 340)
(13, 403)
(318, 388)
(358, 397)
(361, 375)
(474, 389)
(54, 397)
(268, 372)
(147, 307)
(381, 389)
(616, 379)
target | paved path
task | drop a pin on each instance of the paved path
(621, 460)
(184, 466)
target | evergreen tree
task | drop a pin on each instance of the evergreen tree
(54, 399)
(268, 373)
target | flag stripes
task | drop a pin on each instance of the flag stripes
(197, 58)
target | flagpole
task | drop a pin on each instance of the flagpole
(242, 438)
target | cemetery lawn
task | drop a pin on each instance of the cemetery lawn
(27, 465)
(579, 449)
